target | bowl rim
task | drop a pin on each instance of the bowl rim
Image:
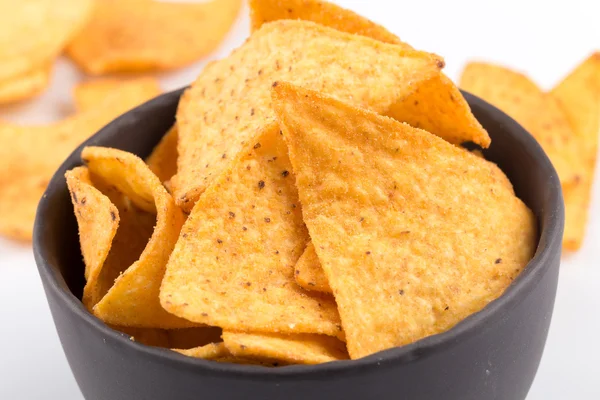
(550, 221)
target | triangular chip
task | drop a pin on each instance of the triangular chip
(321, 12)
(24, 86)
(413, 234)
(230, 102)
(133, 299)
(309, 273)
(579, 96)
(26, 164)
(290, 349)
(144, 35)
(34, 32)
(163, 159)
(538, 112)
(436, 105)
(233, 265)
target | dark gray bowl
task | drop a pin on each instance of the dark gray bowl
(493, 354)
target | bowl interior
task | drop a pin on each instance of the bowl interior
(56, 243)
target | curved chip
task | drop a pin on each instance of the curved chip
(579, 96)
(24, 86)
(98, 220)
(188, 338)
(26, 164)
(290, 349)
(406, 254)
(148, 336)
(436, 105)
(133, 299)
(233, 265)
(230, 102)
(538, 112)
(34, 32)
(163, 159)
(143, 35)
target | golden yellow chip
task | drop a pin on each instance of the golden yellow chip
(27, 164)
(436, 105)
(163, 159)
(98, 220)
(34, 32)
(321, 12)
(24, 86)
(536, 111)
(233, 265)
(188, 338)
(142, 35)
(90, 94)
(133, 299)
(292, 349)
(579, 96)
(406, 254)
(230, 102)
(309, 273)
(100, 209)
(210, 351)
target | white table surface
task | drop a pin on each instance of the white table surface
(542, 38)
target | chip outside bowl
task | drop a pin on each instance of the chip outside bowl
(493, 354)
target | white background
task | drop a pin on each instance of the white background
(542, 38)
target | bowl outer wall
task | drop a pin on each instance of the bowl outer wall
(493, 354)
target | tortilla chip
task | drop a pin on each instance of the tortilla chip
(133, 299)
(436, 106)
(188, 338)
(321, 12)
(538, 112)
(147, 336)
(163, 159)
(142, 35)
(233, 265)
(208, 352)
(292, 349)
(26, 164)
(34, 32)
(309, 273)
(406, 254)
(90, 94)
(97, 218)
(579, 97)
(230, 102)
(24, 86)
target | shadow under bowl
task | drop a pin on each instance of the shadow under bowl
(492, 354)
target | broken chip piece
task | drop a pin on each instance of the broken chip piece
(400, 247)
